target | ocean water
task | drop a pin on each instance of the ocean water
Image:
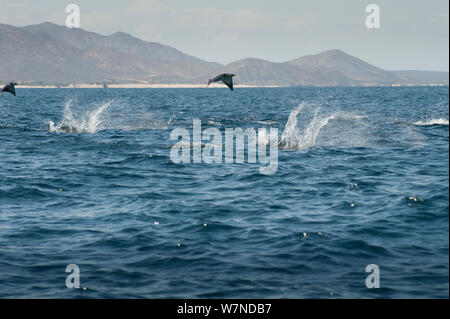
(86, 178)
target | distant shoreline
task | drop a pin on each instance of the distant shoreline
(187, 86)
(133, 86)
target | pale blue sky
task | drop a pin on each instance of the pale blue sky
(413, 35)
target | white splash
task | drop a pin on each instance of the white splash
(295, 138)
(90, 122)
(265, 138)
(432, 122)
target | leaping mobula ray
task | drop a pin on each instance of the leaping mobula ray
(226, 78)
(10, 88)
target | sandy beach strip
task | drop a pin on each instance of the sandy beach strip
(132, 86)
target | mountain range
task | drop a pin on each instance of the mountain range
(51, 54)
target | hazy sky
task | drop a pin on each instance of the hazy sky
(413, 34)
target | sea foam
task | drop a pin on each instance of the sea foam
(440, 121)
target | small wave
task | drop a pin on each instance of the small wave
(215, 123)
(90, 122)
(432, 122)
(268, 122)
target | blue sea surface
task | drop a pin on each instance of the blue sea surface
(86, 178)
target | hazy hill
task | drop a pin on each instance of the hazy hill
(262, 72)
(53, 54)
(422, 77)
(354, 68)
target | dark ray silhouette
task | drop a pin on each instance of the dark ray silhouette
(11, 88)
(226, 78)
